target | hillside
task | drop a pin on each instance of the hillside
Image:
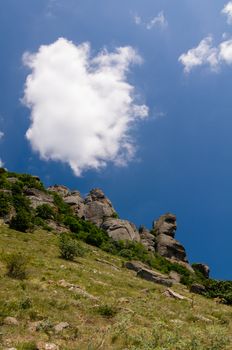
(76, 276)
(119, 310)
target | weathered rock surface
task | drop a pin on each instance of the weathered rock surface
(135, 265)
(11, 321)
(154, 276)
(204, 269)
(119, 229)
(38, 197)
(60, 189)
(197, 288)
(171, 294)
(61, 326)
(166, 245)
(98, 207)
(147, 239)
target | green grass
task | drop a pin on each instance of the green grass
(120, 310)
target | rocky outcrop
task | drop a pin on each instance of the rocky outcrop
(147, 239)
(166, 245)
(119, 229)
(38, 197)
(60, 189)
(202, 268)
(197, 288)
(98, 207)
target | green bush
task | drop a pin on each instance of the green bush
(69, 248)
(27, 346)
(16, 264)
(107, 310)
(22, 221)
(45, 211)
(5, 203)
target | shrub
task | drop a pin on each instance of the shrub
(22, 221)
(107, 310)
(16, 264)
(45, 212)
(27, 346)
(5, 204)
(69, 248)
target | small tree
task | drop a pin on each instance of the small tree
(22, 221)
(45, 212)
(69, 248)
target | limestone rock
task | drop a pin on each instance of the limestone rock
(38, 197)
(119, 229)
(59, 189)
(11, 321)
(204, 269)
(61, 326)
(197, 288)
(166, 224)
(47, 346)
(166, 244)
(97, 207)
(154, 276)
(135, 265)
(147, 239)
(175, 276)
(171, 294)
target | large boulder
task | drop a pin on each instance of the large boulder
(153, 276)
(119, 229)
(59, 189)
(98, 207)
(202, 268)
(76, 202)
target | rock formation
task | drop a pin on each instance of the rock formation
(202, 268)
(121, 229)
(147, 239)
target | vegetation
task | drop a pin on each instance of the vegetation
(69, 248)
(16, 264)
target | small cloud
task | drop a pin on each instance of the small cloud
(1, 163)
(227, 10)
(82, 107)
(1, 135)
(159, 21)
(206, 54)
(137, 20)
(202, 54)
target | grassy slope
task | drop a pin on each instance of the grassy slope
(145, 318)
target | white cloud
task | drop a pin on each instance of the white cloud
(81, 107)
(137, 20)
(1, 164)
(206, 54)
(159, 20)
(227, 10)
(1, 135)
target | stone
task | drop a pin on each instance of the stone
(155, 277)
(166, 224)
(35, 326)
(171, 294)
(197, 288)
(61, 326)
(56, 226)
(38, 197)
(175, 276)
(11, 321)
(59, 189)
(167, 246)
(202, 268)
(119, 229)
(76, 289)
(135, 265)
(47, 346)
(147, 239)
(98, 207)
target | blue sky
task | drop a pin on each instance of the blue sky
(182, 147)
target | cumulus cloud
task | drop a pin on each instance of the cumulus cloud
(159, 20)
(227, 10)
(137, 20)
(82, 107)
(207, 54)
(1, 135)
